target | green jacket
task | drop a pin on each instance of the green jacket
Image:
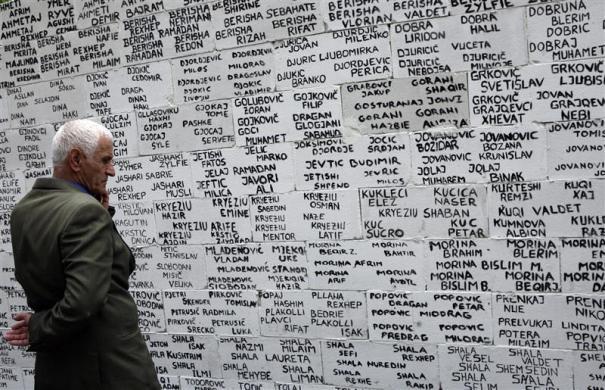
(74, 267)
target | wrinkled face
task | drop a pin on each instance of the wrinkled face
(96, 169)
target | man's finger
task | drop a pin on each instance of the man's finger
(18, 324)
(17, 339)
(22, 316)
(18, 343)
(14, 334)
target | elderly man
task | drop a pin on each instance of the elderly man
(74, 267)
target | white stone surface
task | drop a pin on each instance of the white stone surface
(4, 307)
(4, 79)
(27, 147)
(467, 366)
(4, 112)
(184, 128)
(481, 229)
(135, 8)
(333, 58)
(582, 268)
(13, 189)
(5, 235)
(338, 14)
(581, 321)
(23, 19)
(407, 104)
(567, 31)
(158, 129)
(11, 378)
(205, 126)
(575, 149)
(575, 92)
(135, 222)
(151, 310)
(327, 215)
(459, 43)
(20, 63)
(58, 16)
(90, 14)
(404, 10)
(140, 87)
(203, 221)
(313, 314)
(169, 382)
(22, 24)
(130, 88)
(46, 102)
(187, 355)
(79, 52)
(342, 163)
(303, 386)
(202, 77)
(306, 386)
(257, 266)
(169, 267)
(154, 177)
(191, 383)
(493, 265)
(218, 312)
(563, 91)
(123, 128)
(28, 378)
(433, 317)
(32, 174)
(165, 35)
(243, 171)
(209, 172)
(99, 92)
(271, 359)
(175, 4)
(15, 356)
(472, 6)
(435, 211)
(562, 208)
(380, 365)
(588, 369)
(529, 320)
(566, 321)
(288, 116)
(484, 154)
(7, 276)
(17, 302)
(5, 149)
(363, 265)
(251, 22)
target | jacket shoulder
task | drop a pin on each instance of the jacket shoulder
(63, 204)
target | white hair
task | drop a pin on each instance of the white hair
(82, 134)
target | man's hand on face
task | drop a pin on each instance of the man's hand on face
(18, 334)
(104, 198)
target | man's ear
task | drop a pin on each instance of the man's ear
(74, 159)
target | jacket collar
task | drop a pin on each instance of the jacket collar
(52, 183)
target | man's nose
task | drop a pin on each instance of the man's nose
(110, 170)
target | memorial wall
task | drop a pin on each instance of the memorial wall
(333, 194)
